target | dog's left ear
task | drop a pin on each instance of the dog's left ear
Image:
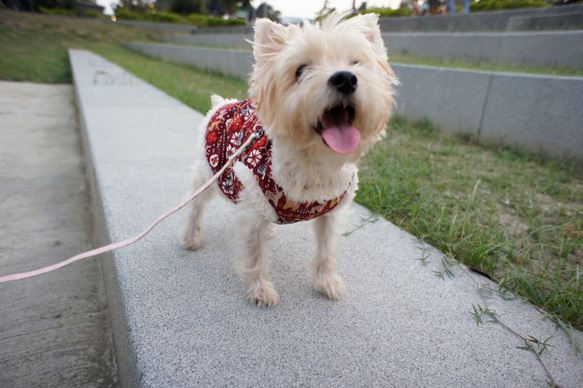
(269, 39)
(368, 25)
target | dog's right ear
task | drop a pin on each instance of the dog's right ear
(270, 38)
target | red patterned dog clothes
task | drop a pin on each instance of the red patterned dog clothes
(227, 130)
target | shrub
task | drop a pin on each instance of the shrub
(185, 7)
(493, 5)
(58, 11)
(220, 22)
(203, 21)
(197, 20)
(164, 17)
(388, 12)
(126, 14)
(92, 14)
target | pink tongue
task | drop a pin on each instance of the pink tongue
(340, 136)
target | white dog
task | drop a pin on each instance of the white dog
(321, 96)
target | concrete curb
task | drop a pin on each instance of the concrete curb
(180, 319)
(484, 105)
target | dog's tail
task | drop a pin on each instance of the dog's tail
(217, 100)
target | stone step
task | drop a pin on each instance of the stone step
(561, 49)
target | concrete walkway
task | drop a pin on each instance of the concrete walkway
(54, 329)
(180, 318)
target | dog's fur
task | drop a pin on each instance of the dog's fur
(292, 89)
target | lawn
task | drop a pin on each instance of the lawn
(517, 217)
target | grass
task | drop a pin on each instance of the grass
(485, 66)
(34, 46)
(517, 217)
(187, 85)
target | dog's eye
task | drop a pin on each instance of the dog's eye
(300, 70)
(355, 62)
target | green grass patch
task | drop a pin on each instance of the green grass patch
(191, 86)
(516, 216)
(202, 21)
(482, 65)
(34, 46)
(35, 49)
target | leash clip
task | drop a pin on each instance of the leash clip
(256, 136)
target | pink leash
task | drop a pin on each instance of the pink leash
(125, 243)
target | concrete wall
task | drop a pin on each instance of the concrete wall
(561, 48)
(547, 22)
(530, 19)
(557, 48)
(536, 113)
(231, 62)
(530, 112)
(224, 40)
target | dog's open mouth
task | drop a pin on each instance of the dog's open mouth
(337, 131)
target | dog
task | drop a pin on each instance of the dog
(320, 97)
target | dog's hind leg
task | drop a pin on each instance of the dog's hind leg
(191, 233)
(324, 272)
(254, 230)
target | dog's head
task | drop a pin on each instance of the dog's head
(324, 89)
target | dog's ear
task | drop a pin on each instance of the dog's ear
(368, 25)
(270, 38)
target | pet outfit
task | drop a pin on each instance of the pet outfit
(228, 129)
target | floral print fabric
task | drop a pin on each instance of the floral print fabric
(228, 129)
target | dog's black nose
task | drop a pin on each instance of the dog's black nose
(343, 81)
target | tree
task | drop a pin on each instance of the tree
(54, 4)
(140, 6)
(227, 7)
(186, 7)
(18, 5)
(271, 13)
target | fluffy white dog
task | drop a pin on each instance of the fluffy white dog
(320, 98)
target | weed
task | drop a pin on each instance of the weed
(536, 345)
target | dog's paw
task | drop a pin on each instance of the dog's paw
(262, 293)
(330, 285)
(192, 241)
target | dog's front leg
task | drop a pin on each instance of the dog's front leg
(324, 272)
(254, 231)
